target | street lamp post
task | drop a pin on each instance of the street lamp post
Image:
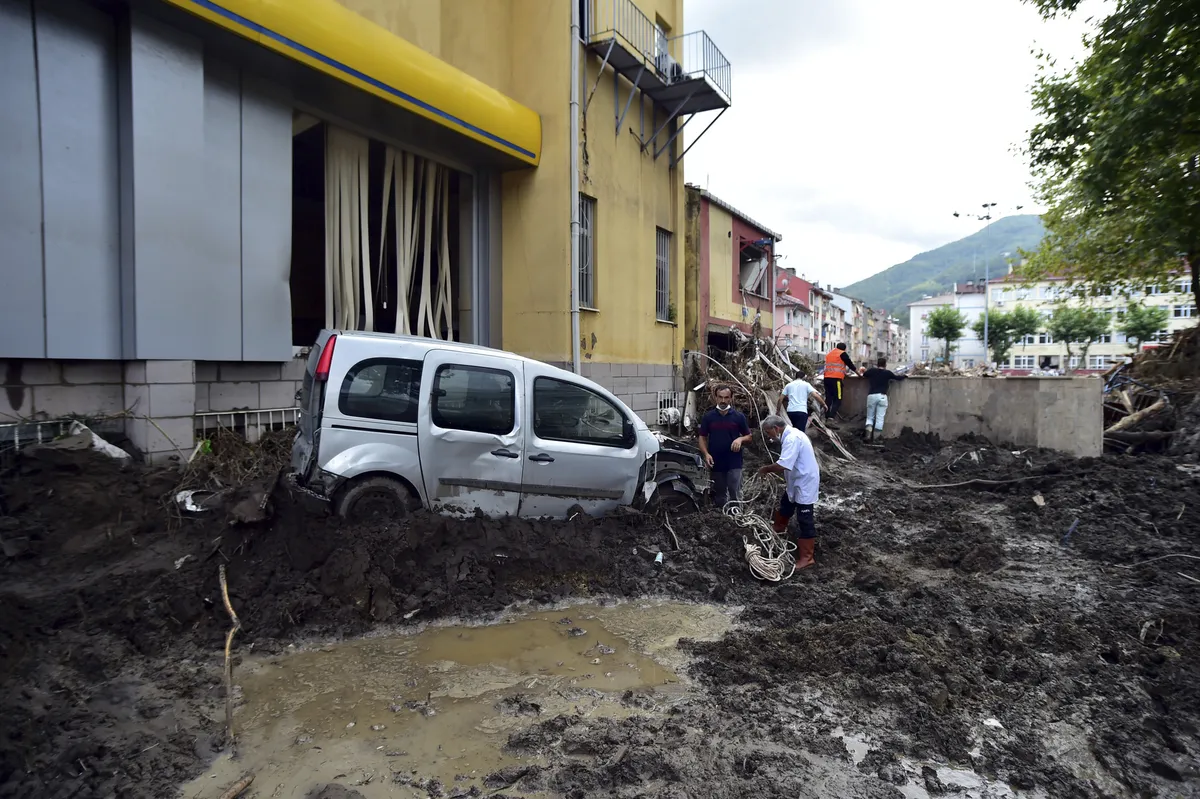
(986, 215)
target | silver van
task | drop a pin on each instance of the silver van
(390, 422)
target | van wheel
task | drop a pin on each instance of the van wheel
(669, 498)
(375, 498)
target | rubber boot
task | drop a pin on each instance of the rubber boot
(871, 435)
(804, 553)
(780, 522)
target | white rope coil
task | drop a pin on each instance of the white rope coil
(770, 556)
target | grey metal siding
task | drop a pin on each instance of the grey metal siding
(77, 91)
(266, 309)
(22, 302)
(222, 214)
(171, 310)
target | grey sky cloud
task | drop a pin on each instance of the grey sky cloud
(770, 31)
(859, 126)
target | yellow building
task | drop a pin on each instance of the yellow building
(1041, 351)
(210, 182)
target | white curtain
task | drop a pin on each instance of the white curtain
(417, 192)
(348, 296)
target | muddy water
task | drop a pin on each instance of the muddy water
(440, 703)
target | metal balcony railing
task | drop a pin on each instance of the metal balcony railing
(700, 58)
(675, 59)
(622, 19)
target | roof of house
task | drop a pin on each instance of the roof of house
(940, 299)
(715, 200)
(788, 299)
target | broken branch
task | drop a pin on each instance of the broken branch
(979, 482)
(1134, 418)
(238, 788)
(237, 625)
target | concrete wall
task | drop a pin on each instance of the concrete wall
(1064, 414)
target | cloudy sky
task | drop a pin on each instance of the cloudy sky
(859, 126)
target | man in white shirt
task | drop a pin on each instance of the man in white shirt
(799, 392)
(798, 464)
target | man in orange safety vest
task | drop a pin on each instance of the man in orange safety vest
(837, 361)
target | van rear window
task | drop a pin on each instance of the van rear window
(382, 388)
(310, 369)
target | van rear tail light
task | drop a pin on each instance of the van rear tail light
(325, 361)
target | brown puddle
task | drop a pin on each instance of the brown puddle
(442, 702)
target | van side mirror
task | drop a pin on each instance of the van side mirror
(628, 434)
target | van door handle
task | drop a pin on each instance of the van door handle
(541, 458)
(503, 453)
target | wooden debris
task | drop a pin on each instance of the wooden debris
(233, 630)
(238, 788)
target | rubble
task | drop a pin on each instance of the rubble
(1151, 403)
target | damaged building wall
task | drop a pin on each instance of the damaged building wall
(1062, 414)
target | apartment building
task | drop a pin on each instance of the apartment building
(969, 299)
(194, 188)
(1041, 351)
(729, 271)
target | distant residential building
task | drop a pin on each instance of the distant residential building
(898, 349)
(969, 300)
(1041, 351)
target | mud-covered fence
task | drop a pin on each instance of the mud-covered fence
(1059, 413)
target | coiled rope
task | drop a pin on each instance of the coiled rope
(770, 556)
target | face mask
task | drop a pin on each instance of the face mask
(722, 406)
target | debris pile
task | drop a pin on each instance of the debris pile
(1153, 403)
(757, 370)
(922, 369)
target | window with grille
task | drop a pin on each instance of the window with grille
(662, 275)
(1184, 311)
(587, 251)
(1023, 361)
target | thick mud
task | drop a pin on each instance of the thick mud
(1027, 638)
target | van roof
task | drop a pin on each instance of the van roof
(433, 343)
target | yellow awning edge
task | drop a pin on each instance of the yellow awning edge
(327, 36)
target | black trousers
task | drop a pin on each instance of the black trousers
(833, 396)
(799, 420)
(803, 516)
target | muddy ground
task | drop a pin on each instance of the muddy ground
(931, 612)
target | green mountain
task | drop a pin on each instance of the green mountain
(937, 271)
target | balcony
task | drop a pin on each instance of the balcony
(685, 75)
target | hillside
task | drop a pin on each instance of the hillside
(936, 271)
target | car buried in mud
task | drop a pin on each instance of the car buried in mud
(389, 423)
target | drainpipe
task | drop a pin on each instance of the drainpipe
(771, 272)
(574, 182)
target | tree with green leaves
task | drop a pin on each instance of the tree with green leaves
(1006, 328)
(1074, 325)
(1117, 155)
(946, 323)
(1142, 322)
